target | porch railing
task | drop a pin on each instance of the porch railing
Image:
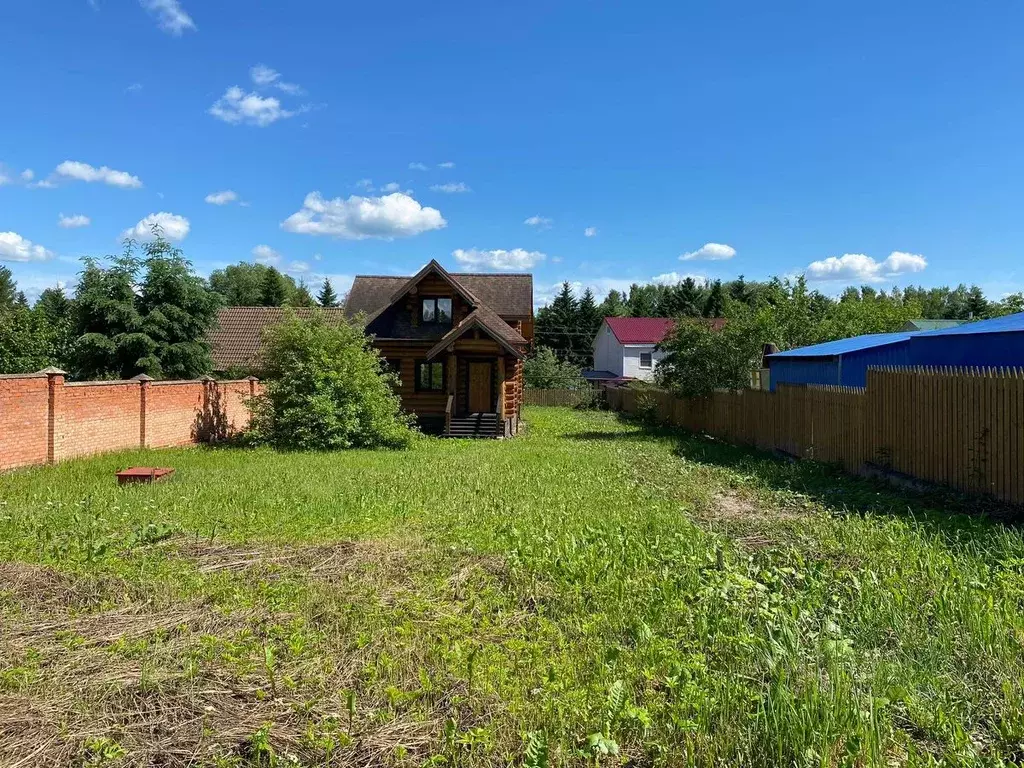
(448, 414)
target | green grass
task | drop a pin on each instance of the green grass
(594, 592)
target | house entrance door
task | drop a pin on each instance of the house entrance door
(480, 387)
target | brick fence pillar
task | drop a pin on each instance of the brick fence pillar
(54, 412)
(143, 380)
(253, 381)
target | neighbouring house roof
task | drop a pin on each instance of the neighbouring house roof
(509, 295)
(930, 325)
(237, 337)
(650, 330)
(1004, 324)
(599, 375)
(486, 319)
(844, 346)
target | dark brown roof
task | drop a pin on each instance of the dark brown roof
(488, 320)
(238, 335)
(508, 295)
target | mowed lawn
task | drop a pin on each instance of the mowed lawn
(593, 592)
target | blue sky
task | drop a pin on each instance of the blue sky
(600, 143)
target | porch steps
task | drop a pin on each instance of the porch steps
(481, 425)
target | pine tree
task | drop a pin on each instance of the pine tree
(327, 297)
(8, 289)
(614, 305)
(589, 320)
(558, 322)
(274, 290)
(689, 299)
(714, 305)
(301, 297)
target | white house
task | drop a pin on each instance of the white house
(624, 348)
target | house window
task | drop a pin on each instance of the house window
(645, 360)
(436, 311)
(429, 376)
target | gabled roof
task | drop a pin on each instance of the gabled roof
(640, 330)
(431, 267)
(486, 320)
(930, 325)
(510, 295)
(237, 337)
(1004, 324)
(845, 346)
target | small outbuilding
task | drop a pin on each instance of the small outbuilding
(995, 343)
(843, 362)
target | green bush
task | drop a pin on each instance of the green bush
(326, 389)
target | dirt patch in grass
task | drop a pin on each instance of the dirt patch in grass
(750, 523)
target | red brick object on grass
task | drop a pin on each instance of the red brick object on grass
(143, 475)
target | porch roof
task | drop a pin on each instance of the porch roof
(486, 320)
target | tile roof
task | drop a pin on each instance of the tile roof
(238, 335)
(510, 295)
(640, 330)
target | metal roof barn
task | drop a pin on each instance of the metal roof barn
(843, 362)
(995, 343)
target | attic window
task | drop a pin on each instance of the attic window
(436, 311)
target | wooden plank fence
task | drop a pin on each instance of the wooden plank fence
(962, 428)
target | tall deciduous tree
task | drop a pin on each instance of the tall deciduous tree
(241, 284)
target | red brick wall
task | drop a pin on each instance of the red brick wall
(93, 417)
(23, 418)
(98, 417)
(172, 408)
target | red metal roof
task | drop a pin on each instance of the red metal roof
(640, 330)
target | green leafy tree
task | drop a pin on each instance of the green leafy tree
(241, 284)
(27, 343)
(145, 313)
(327, 297)
(643, 300)
(700, 360)
(326, 389)
(545, 371)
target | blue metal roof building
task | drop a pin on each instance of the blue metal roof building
(994, 343)
(843, 362)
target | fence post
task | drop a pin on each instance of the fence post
(143, 380)
(54, 411)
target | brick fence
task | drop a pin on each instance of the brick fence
(44, 419)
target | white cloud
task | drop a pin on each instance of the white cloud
(452, 187)
(391, 186)
(73, 222)
(862, 268)
(172, 226)
(264, 254)
(264, 76)
(590, 232)
(42, 184)
(540, 222)
(359, 218)
(237, 106)
(710, 252)
(133, 88)
(14, 247)
(169, 15)
(448, 164)
(417, 167)
(517, 258)
(222, 198)
(72, 169)
(365, 183)
(298, 267)
(28, 174)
